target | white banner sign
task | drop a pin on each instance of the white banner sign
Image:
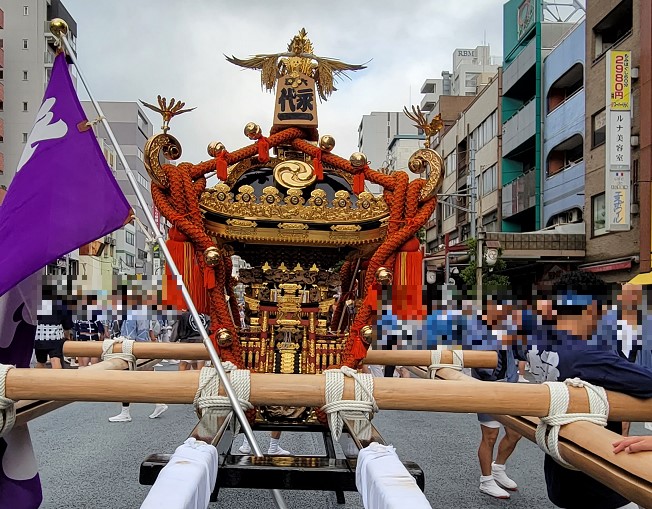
(620, 128)
(617, 200)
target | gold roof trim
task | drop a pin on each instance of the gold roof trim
(273, 206)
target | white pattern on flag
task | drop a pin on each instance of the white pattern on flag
(42, 130)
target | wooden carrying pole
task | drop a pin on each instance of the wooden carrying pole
(197, 351)
(587, 447)
(308, 390)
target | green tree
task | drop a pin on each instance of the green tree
(491, 277)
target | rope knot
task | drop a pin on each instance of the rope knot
(435, 362)
(361, 408)
(208, 393)
(7, 408)
(127, 351)
(547, 434)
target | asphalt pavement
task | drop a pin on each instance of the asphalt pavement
(87, 462)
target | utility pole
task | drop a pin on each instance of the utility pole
(472, 189)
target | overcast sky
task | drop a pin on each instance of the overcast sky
(130, 50)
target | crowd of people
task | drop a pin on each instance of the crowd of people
(579, 328)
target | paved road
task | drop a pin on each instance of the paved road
(87, 462)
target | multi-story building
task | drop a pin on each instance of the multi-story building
(472, 69)
(563, 131)
(377, 130)
(469, 147)
(618, 143)
(531, 29)
(134, 254)
(26, 56)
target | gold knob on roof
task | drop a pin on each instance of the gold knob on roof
(327, 143)
(358, 159)
(252, 131)
(215, 147)
(367, 334)
(384, 276)
(224, 337)
(212, 256)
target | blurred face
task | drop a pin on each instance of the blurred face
(631, 297)
(578, 320)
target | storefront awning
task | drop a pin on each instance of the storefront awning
(642, 279)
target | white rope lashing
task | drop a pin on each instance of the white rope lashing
(127, 354)
(547, 434)
(208, 392)
(435, 362)
(7, 408)
(362, 407)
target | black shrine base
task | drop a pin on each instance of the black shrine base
(318, 473)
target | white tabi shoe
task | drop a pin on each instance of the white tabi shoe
(123, 416)
(488, 486)
(158, 411)
(499, 475)
(278, 452)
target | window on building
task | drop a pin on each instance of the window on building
(129, 238)
(571, 82)
(142, 255)
(2, 106)
(471, 79)
(2, 74)
(142, 180)
(614, 27)
(25, 44)
(599, 215)
(25, 75)
(448, 209)
(142, 123)
(25, 10)
(451, 163)
(139, 153)
(24, 106)
(25, 135)
(568, 153)
(598, 128)
(129, 260)
(489, 180)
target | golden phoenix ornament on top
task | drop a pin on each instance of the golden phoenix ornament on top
(299, 59)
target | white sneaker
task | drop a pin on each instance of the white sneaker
(158, 410)
(499, 475)
(174, 361)
(279, 452)
(522, 379)
(165, 361)
(159, 365)
(121, 417)
(245, 449)
(488, 486)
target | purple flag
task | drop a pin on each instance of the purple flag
(20, 486)
(64, 194)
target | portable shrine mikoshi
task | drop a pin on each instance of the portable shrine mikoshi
(302, 219)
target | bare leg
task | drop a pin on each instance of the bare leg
(276, 434)
(507, 445)
(83, 361)
(486, 449)
(183, 366)
(55, 362)
(626, 426)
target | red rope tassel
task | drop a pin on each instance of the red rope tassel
(263, 149)
(358, 182)
(221, 165)
(358, 350)
(318, 166)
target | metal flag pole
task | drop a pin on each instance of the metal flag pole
(59, 29)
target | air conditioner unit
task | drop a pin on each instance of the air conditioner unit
(112, 242)
(574, 216)
(107, 239)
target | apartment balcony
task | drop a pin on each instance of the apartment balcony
(2, 163)
(428, 102)
(520, 128)
(564, 120)
(2, 58)
(2, 129)
(564, 191)
(2, 92)
(2, 18)
(519, 195)
(526, 59)
(544, 244)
